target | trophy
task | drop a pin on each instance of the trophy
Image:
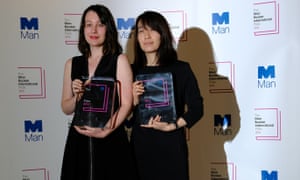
(158, 98)
(97, 104)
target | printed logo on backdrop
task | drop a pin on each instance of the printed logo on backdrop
(222, 125)
(35, 174)
(221, 77)
(267, 123)
(72, 25)
(124, 26)
(220, 23)
(222, 171)
(266, 175)
(266, 18)
(31, 83)
(266, 77)
(33, 130)
(29, 28)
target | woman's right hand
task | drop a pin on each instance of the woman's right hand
(77, 89)
(137, 90)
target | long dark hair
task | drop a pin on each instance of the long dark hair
(111, 43)
(166, 52)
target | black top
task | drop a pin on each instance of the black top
(105, 69)
(185, 88)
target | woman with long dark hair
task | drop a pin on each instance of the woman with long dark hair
(94, 153)
(160, 145)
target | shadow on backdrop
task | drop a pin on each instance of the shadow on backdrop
(221, 121)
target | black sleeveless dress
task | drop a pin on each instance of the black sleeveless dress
(88, 158)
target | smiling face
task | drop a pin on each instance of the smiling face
(94, 30)
(148, 39)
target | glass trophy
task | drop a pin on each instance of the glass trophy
(158, 98)
(96, 106)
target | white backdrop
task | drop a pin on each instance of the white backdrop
(245, 55)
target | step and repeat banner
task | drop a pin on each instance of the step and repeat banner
(245, 54)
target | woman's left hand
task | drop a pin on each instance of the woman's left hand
(93, 132)
(155, 123)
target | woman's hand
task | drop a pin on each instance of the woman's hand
(137, 90)
(93, 132)
(156, 123)
(78, 88)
